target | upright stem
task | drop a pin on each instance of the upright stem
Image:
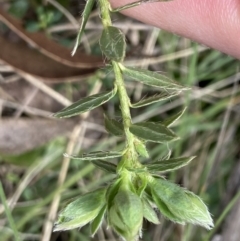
(124, 103)
(122, 93)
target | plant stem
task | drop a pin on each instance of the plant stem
(124, 103)
(104, 8)
(122, 93)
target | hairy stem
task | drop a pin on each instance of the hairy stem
(124, 102)
(122, 93)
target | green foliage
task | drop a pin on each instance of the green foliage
(169, 165)
(149, 213)
(86, 104)
(154, 132)
(153, 99)
(151, 78)
(113, 127)
(112, 43)
(136, 188)
(104, 165)
(96, 155)
(169, 121)
(95, 225)
(85, 15)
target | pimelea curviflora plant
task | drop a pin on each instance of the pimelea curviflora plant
(137, 189)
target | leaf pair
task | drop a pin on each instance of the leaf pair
(179, 205)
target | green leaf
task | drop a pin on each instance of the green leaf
(149, 213)
(154, 132)
(81, 211)
(112, 43)
(106, 166)
(85, 15)
(180, 205)
(151, 78)
(96, 155)
(169, 165)
(153, 99)
(95, 225)
(169, 121)
(86, 104)
(141, 148)
(163, 208)
(113, 126)
(126, 214)
(112, 191)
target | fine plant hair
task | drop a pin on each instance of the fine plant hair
(137, 188)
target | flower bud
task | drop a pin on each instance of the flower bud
(125, 215)
(179, 205)
(81, 211)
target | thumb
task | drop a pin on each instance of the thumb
(215, 23)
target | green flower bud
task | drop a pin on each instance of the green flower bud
(179, 205)
(125, 215)
(81, 211)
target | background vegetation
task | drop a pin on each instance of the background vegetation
(37, 181)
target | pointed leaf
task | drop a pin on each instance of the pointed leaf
(85, 15)
(81, 211)
(113, 126)
(169, 121)
(112, 43)
(151, 78)
(153, 99)
(95, 225)
(149, 213)
(96, 155)
(169, 165)
(106, 166)
(86, 104)
(185, 206)
(155, 132)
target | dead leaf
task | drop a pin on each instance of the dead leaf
(50, 48)
(27, 60)
(24, 134)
